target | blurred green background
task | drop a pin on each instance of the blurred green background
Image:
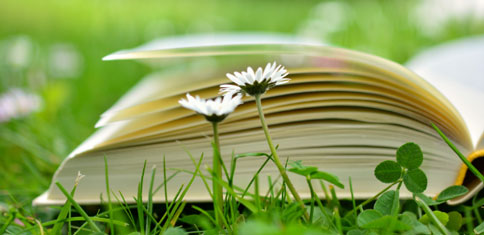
(54, 86)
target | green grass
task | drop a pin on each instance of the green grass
(268, 212)
(31, 148)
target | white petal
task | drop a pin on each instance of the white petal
(241, 77)
(229, 89)
(250, 71)
(258, 75)
(268, 70)
(234, 79)
(282, 81)
(247, 78)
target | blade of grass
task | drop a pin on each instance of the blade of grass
(108, 193)
(271, 187)
(468, 220)
(78, 207)
(271, 191)
(126, 209)
(69, 225)
(173, 207)
(27, 144)
(33, 169)
(150, 215)
(256, 173)
(230, 190)
(256, 193)
(231, 202)
(476, 208)
(210, 178)
(353, 202)
(150, 200)
(326, 193)
(284, 192)
(204, 179)
(165, 188)
(280, 194)
(334, 197)
(41, 228)
(320, 205)
(471, 167)
(433, 217)
(178, 213)
(65, 209)
(167, 180)
(337, 218)
(82, 228)
(166, 214)
(101, 200)
(80, 218)
(204, 212)
(223, 220)
(197, 169)
(244, 202)
(479, 203)
(232, 169)
(234, 163)
(139, 201)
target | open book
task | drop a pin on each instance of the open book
(343, 111)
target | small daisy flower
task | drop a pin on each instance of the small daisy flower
(213, 110)
(258, 82)
(17, 103)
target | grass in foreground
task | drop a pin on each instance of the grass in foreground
(271, 212)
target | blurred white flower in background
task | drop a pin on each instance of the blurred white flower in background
(64, 61)
(19, 51)
(434, 14)
(16, 103)
(325, 19)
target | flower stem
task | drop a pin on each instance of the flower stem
(275, 157)
(374, 197)
(217, 171)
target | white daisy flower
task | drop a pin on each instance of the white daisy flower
(213, 110)
(17, 103)
(258, 82)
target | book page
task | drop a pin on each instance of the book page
(328, 145)
(480, 143)
(293, 54)
(456, 69)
